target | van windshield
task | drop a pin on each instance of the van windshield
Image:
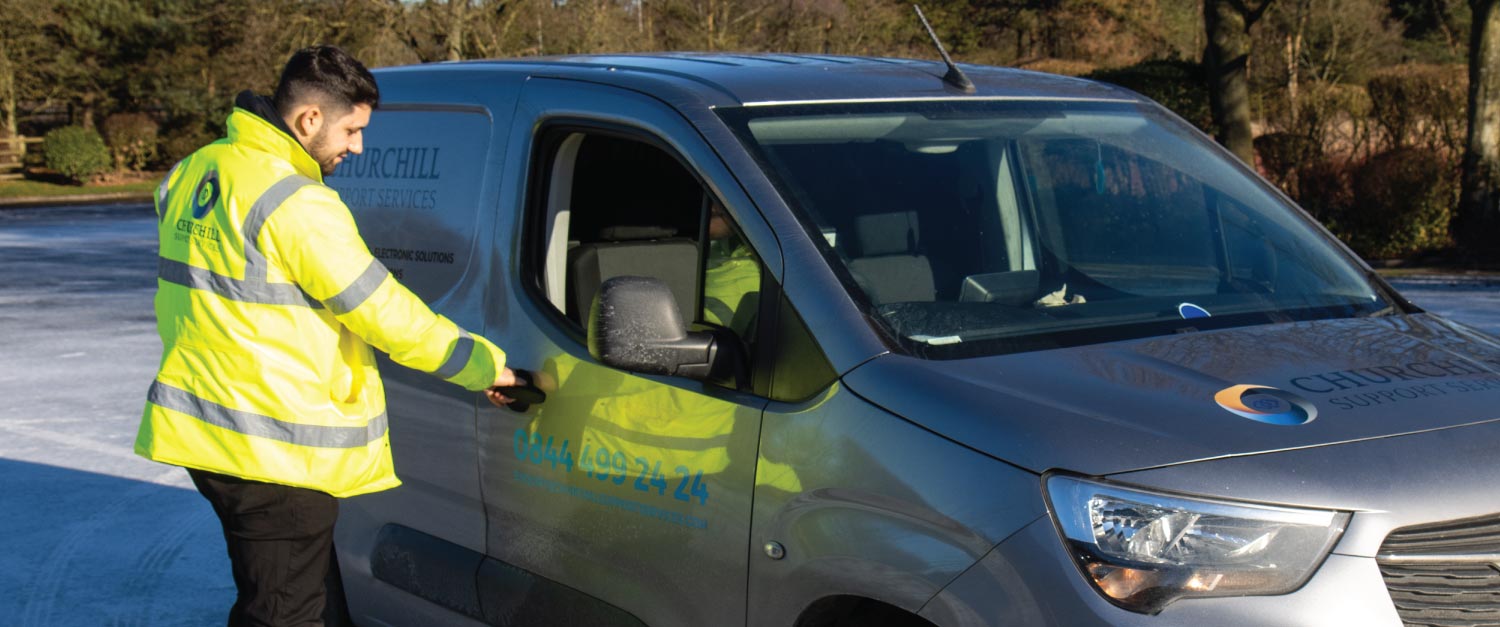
(983, 227)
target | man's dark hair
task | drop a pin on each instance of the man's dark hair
(327, 74)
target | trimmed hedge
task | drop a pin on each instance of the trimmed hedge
(1403, 202)
(1393, 205)
(1177, 85)
(1422, 105)
(76, 152)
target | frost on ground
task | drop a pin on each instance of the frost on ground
(93, 535)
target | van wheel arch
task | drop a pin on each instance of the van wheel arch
(849, 611)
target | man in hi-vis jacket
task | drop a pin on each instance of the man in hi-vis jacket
(268, 304)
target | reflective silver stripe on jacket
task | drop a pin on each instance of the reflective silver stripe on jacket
(463, 347)
(253, 288)
(260, 212)
(162, 195)
(249, 423)
(360, 290)
(231, 288)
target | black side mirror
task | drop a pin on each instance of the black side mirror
(634, 325)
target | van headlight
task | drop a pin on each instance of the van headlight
(1143, 550)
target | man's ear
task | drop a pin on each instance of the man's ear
(308, 121)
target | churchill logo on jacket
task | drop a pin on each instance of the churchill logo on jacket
(207, 195)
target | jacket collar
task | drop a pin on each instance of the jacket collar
(255, 124)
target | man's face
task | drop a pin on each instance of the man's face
(718, 224)
(336, 138)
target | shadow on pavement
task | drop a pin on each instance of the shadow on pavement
(80, 548)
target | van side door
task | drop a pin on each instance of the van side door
(624, 498)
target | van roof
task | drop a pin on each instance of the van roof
(729, 79)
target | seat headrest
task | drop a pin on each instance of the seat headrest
(631, 232)
(887, 233)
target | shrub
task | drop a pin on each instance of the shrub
(1325, 190)
(1177, 85)
(75, 152)
(1403, 201)
(1065, 67)
(178, 143)
(1282, 155)
(131, 138)
(1422, 105)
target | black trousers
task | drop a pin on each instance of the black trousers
(280, 541)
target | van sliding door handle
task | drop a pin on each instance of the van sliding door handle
(525, 395)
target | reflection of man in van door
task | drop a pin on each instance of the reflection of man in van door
(731, 281)
(731, 298)
(678, 431)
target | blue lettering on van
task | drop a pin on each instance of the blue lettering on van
(410, 162)
(610, 501)
(612, 466)
(1388, 396)
(406, 254)
(389, 198)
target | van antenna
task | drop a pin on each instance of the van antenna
(955, 76)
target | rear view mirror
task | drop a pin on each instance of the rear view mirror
(634, 325)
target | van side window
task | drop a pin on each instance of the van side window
(616, 206)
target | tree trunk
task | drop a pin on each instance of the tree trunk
(7, 91)
(1226, 59)
(8, 102)
(1294, 63)
(712, 26)
(456, 29)
(1478, 220)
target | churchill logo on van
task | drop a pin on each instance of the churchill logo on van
(1266, 404)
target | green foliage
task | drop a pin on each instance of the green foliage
(1422, 105)
(1435, 31)
(1395, 204)
(131, 138)
(76, 152)
(180, 142)
(1177, 85)
(1402, 203)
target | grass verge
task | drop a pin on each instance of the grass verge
(43, 189)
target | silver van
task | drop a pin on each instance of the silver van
(830, 341)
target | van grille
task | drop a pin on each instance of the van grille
(1445, 574)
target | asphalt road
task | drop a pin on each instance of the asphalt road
(90, 534)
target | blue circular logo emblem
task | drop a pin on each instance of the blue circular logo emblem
(1265, 404)
(207, 195)
(1188, 311)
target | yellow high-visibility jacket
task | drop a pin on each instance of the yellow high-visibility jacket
(268, 303)
(731, 285)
